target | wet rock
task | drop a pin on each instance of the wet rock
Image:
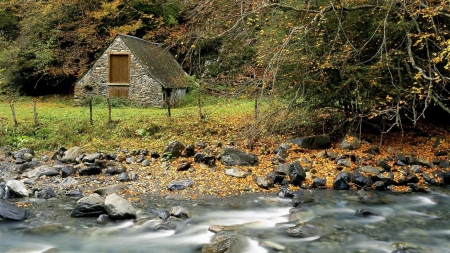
(103, 219)
(180, 212)
(221, 244)
(304, 230)
(360, 180)
(118, 208)
(46, 193)
(386, 177)
(175, 148)
(92, 205)
(272, 245)
(380, 186)
(163, 214)
(383, 164)
(300, 199)
(184, 166)
(437, 178)
(166, 225)
(179, 185)
(46, 229)
(71, 155)
(275, 177)
(89, 171)
(296, 173)
(319, 183)
(235, 157)
(444, 164)
(12, 212)
(285, 193)
(342, 181)
(236, 172)
(17, 188)
(365, 213)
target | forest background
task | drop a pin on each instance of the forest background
(326, 66)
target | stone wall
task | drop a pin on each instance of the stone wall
(143, 89)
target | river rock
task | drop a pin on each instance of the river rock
(46, 229)
(360, 180)
(263, 182)
(115, 170)
(118, 208)
(383, 164)
(17, 188)
(43, 170)
(123, 177)
(109, 189)
(350, 143)
(68, 182)
(272, 245)
(304, 230)
(22, 154)
(314, 142)
(179, 185)
(221, 244)
(67, 170)
(92, 205)
(89, 171)
(46, 193)
(275, 177)
(184, 166)
(296, 173)
(90, 158)
(180, 212)
(12, 212)
(235, 172)
(235, 157)
(163, 214)
(175, 148)
(342, 181)
(365, 213)
(103, 219)
(319, 183)
(71, 155)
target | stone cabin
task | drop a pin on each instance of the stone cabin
(136, 69)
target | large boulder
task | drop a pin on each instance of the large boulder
(342, 181)
(305, 230)
(296, 173)
(361, 180)
(313, 142)
(71, 154)
(17, 188)
(43, 170)
(92, 205)
(235, 157)
(118, 208)
(175, 148)
(12, 212)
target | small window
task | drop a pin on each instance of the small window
(118, 91)
(119, 68)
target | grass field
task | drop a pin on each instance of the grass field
(60, 124)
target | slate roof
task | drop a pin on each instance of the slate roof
(159, 63)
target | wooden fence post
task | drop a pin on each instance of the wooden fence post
(35, 113)
(90, 112)
(13, 114)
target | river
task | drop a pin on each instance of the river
(414, 222)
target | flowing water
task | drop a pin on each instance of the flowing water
(418, 222)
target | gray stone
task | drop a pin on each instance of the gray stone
(145, 163)
(123, 177)
(350, 145)
(342, 181)
(90, 158)
(68, 182)
(71, 154)
(180, 212)
(46, 193)
(296, 173)
(263, 182)
(304, 230)
(236, 172)
(12, 212)
(92, 205)
(179, 185)
(175, 148)
(89, 171)
(314, 142)
(109, 189)
(17, 188)
(43, 170)
(118, 208)
(234, 157)
(371, 170)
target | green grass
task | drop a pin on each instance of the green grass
(63, 125)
